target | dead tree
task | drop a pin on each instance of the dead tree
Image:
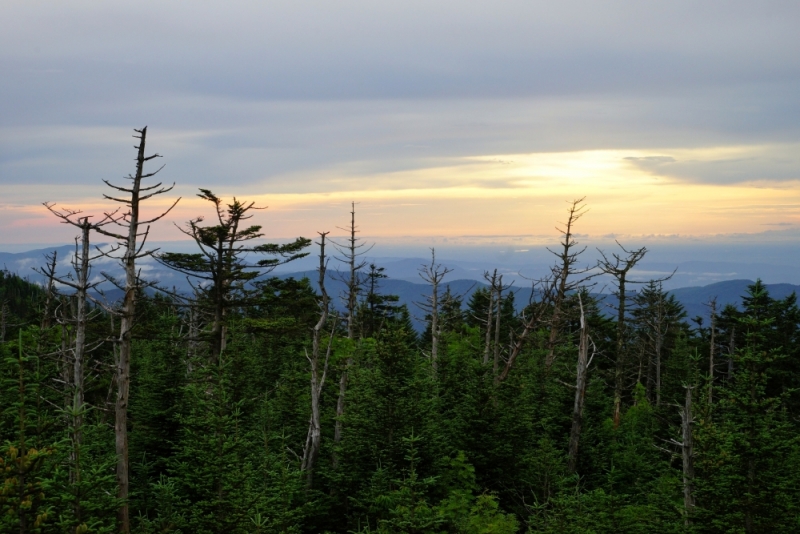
(562, 273)
(493, 319)
(619, 267)
(731, 352)
(132, 240)
(489, 311)
(532, 318)
(712, 349)
(319, 369)
(687, 454)
(654, 320)
(81, 284)
(49, 272)
(433, 274)
(580, 389)
(499, 290)
(74, 358)
(351, 255)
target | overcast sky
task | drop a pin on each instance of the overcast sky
(440, 118)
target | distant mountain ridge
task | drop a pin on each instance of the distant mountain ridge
(402, 271)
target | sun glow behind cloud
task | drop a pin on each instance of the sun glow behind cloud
(630, 192)
(525, 194)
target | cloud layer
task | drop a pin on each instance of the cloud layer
(407, 105)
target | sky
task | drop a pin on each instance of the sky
(464, 122)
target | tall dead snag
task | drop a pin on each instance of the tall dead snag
(132, 239)
(489, 310)
(314, 438)
(498, 315)
(493, 319)
(351, 253)
(687, 454)
(74, 371)
(497, 288)
(433, 274)
(580, 389)
(619, 267)
(562, 271)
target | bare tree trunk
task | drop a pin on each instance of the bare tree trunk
(659, 342)
(499, 301)
(580, 392)
(619, 364)
(64, 362)
(434, 323)
(132, 245)
(619, 268)
(489, 313)
(81, 266)
(82, 270)
(50, 273)
(536, 312)
(314, 438)
(434, 274)
(123, 364)
(711, 351)
(687, 451)
(731, 351)
(567, 258)
(351, 253)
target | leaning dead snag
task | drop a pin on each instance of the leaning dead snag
(132, 239)
(580, 389)
(532, 318)
(319, 370)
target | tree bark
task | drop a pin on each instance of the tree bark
(353, 284)
(123, 364)
(499, 303)
(489, 313)
(687, 450)
(567, 259)
(314, 438)
(619, 364)
(580, 392)
(711, 351)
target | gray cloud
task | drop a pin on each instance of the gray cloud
(275, 94)
(760, 164)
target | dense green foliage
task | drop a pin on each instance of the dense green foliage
(216, 442)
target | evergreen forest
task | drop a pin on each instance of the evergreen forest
(260, 404)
